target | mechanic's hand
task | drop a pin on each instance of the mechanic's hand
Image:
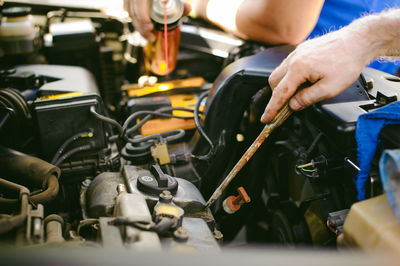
(139, 12)
(331, 63)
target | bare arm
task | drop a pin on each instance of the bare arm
(268, 21)
(332, 62)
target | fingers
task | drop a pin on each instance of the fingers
(310, 95)
(277, 75)
(138, 11)
(281, 94)
(186, 8)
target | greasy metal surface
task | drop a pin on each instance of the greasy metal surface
(134, 207)
(283, 114)
(200, 238)
(187, 195)
(101, 194)
(110, 234)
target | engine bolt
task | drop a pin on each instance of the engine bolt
(218, 235)
(165, 197)
(181, 234)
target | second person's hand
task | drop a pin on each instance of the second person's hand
(138, 10)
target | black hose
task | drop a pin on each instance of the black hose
(24, 169)
(138, 154)
(169, 136)
(313, 144)
(68, 142)
(126, 131)
(106, 119)
(73, 152)
(150, 114)
(164, 225)
(200, 128)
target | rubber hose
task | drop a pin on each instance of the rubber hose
(49, 194)
(52, 188)
(25, 169)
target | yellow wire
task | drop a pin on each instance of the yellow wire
(305, 165)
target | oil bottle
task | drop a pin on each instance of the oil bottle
(161, 55)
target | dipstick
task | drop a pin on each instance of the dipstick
(282, 115)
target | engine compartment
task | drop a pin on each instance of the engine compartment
(97, 153)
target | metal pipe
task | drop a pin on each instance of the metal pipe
(352, 164)
(54, 224)
(9, 223)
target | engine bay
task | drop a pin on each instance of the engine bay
(98, 153)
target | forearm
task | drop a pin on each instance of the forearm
(320, 61)
(219, 12)
(268, 21)
(379, 34)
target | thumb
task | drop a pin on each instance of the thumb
(186, 8)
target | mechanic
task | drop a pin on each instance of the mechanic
(333, 62)
(272, 21)
(268, 21)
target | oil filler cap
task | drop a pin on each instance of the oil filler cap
(157, 182)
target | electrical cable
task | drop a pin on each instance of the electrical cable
(158, 112)
(86, 222)
(83, 134)
(134, 153)
(313, 144)
(168, 136)
(200, 129)
(126, 131)
(162, 226)
(309, 170)
(106, 119)
(305, 165)
(73, 152)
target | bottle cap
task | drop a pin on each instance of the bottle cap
(174, 11)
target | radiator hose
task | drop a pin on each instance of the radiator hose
(28, 171)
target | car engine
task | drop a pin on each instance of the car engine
(97, 153)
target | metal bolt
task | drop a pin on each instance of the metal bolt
(218, 235)
(239, 137)
(181, 234)
(121, 188)
(165, 196)
(86, 182)
(369, 83)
